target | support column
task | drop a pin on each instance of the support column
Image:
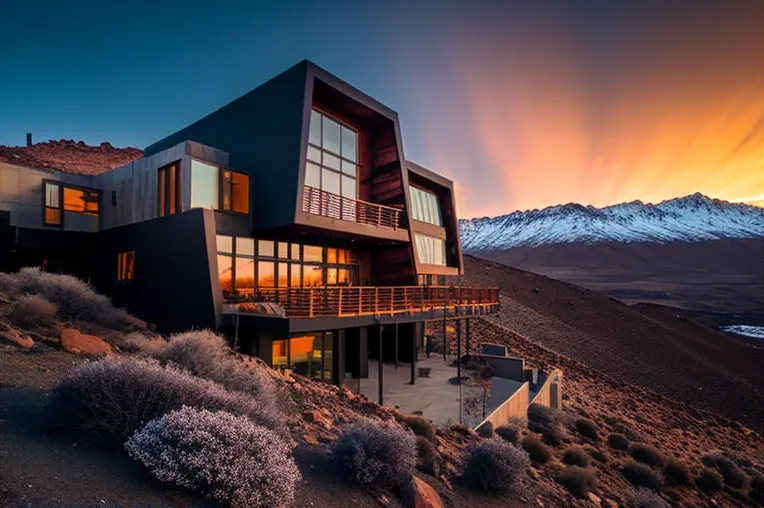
(467, 337)
(413, 355)
(458, 348)
(396, 345)
(444, 333)
(379, 366)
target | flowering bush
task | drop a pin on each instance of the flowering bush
(31, 311)
(74, 298)
(227, 458)
(206, 354)
(375, 455)
(495, 466)
(110, 399)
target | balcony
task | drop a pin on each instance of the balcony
(325, 204)
(342, 301)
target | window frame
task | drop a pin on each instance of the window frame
(222, 187)
(320, 164)
(422, 205)
(163, 201)
(61, 210)
(427, 248)
(125, 266)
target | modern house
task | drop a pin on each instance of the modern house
(289, 219)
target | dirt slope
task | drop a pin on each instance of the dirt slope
(676, 357)
(70, 156)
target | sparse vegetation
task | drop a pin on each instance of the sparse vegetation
(375, 455)
(224, 457)
(540, 414)
(598, 455)
(646, 498)
(709, 481)
(421, 426)
(640, 475)
(485, 430)
(509, 433)
(9, 284)
(495, 466)
(537, 450)
(618, 442)
(731, 472)
(74, 298)
(32, 311)
(110, 399)
(578, 480)
(646, 454)
(587, 428)
(547, 422)
(576, 456)
(677, 471)
(428, 458)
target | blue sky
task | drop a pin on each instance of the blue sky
(525, 104)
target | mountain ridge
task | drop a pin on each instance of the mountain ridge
(691, 218)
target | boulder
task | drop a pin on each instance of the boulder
(16, 338)
(74, 341)
(419, 494)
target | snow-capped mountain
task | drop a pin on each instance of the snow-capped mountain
(690, 218)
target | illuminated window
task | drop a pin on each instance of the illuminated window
(80, 201)
(279, 353)
(266, 274)
(245, 275)
(235, 191)
(311, 253)
(169, 189)
(52, 215)
(332, 156)
(432, 251)
(225, 273)
(312, 275)
(265, 248)
(125, 266)
(283, 275)
(425, 206)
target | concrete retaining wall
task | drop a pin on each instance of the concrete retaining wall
(550, 393)
(515, 406)
(506, 367)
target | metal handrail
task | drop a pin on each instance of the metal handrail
(334, 206)
(337, 301)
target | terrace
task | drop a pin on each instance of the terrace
(326, 204)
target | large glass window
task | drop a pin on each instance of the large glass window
(425, 206)
(205, 179)
(308, 355)
(332, 156)
(432, 251)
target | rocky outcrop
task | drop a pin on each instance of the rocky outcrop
(74, 341)
(419, 494)
(16, 338)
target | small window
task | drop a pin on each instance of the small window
(169, 189)
(283, 250)
(80, 201)
(125, 266)
(204, 185)
(235, 191)
(52, 215)
(265, 248)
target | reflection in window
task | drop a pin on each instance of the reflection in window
(279, 353)
(312, 275)
(300, 354)
(431, 250)
(311, 253)
(294, 278)
(52, 215)
(245, 246)
(283, 249)
(295, 251)
(245, 275)
(205, 180)
(225, 272)
(332, 157)
(283, 275)
(425, 206)
(235, 191)
(266, 275)
(80, 201)
(225, 243)
(308, 355)
(265, 248)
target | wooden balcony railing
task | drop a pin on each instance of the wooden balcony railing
(326, 204)
(337, 301)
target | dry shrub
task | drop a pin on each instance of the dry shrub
(428, 458)
(32, 311)
(578, 480)
(139, 342)
(75, 299)
(640, 475)
(618, 442)
(375, 455)
(485, 430)
(540, 414)
(598, 455)
(509, 433)
(587, 428)
(646, 454)
(9, 284)
(421, 426)
(495, 466)
(224, 457)
(548, 422)
(732, 474)
(576, 456)
(110, 399)
(709, 481)
(537, 450)
(677, 471)
(646, 498)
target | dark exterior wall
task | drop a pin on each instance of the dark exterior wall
(173, 286)
(262, 132)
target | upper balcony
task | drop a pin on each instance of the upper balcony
(326, 204)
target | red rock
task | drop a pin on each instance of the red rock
(16, 338)
(419, 494)
(74, 341)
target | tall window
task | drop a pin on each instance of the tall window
(235, 191)
(431, 250)
(125, 266)
(169, 189)
(332, 156)
(52, 215)
(205, 180)
(425, 206)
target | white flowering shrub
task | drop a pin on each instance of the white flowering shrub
(227, 458)
(495, 466)
(110, 399)
(74, 298)
(375, 455)
(206, 354)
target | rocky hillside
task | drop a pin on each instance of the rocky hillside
(690, 218)
(70, 156)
